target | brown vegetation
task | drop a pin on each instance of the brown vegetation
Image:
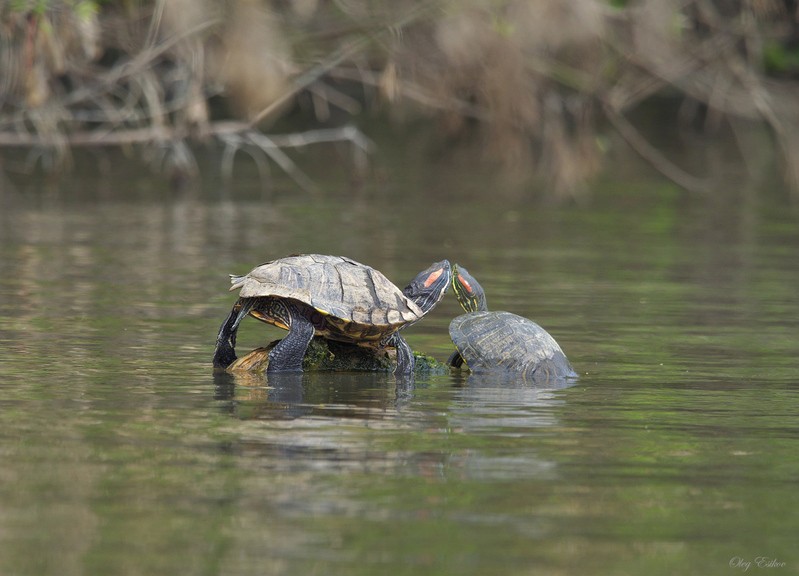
(529, 80)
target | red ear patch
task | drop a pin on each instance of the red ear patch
(433, 277)
(465, 284)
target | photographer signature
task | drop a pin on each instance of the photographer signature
(758, 562)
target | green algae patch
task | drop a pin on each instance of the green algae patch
(328, 355)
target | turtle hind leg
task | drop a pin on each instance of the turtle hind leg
(406, 363)
(287, 355)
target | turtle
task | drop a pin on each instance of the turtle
(330, 296)
(501, 340)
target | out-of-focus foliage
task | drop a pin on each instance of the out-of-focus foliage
(82, 8)
(781, 60)
(528, 82)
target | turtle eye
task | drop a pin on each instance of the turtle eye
(465, 283)
(433, 277)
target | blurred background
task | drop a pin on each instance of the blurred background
(543, 93)
(622, 173)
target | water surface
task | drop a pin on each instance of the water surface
(674, 453)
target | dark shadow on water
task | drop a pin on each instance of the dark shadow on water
(506, 405)
(360, 395)
(511, 380)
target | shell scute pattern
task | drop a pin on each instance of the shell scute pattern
(339, 287)
(492, 340)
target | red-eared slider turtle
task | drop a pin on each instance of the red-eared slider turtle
(501, 340)
(329, 296)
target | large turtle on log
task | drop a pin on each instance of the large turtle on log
(330, 296)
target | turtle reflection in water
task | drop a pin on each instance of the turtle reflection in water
(493, 341)
(333, 297)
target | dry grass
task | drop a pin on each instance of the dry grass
(529, 81)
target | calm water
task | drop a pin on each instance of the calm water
(676, 452)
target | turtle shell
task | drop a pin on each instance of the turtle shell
(502, 340)
(356, 300)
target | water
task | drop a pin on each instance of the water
(674, 453)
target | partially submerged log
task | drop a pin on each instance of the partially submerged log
(329, 355)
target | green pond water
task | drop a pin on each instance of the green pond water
(676, 451)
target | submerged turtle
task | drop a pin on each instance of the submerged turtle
(501, 340)
(329, 296)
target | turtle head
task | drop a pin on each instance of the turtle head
(468, 291)
(429, 286)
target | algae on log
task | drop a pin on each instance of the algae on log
(328, 355)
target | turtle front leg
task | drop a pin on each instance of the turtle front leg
(287, 355)
(406, 363)
(455, 360)
(225, 351)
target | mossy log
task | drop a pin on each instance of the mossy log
(329, 355)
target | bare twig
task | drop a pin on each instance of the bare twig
(652, 155)
(156, 133)
(344, 52)
(118, 73)
(414, 92)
